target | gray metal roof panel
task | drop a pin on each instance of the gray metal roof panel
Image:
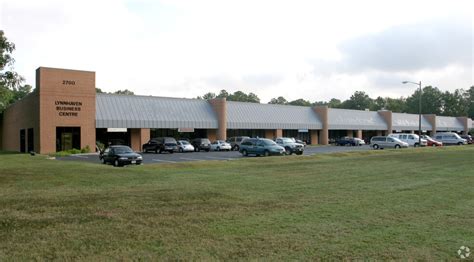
(241, 115)
(125, 111)
(345, 119)
(403, 121)
(447, 123)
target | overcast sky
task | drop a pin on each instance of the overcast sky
(314, 50)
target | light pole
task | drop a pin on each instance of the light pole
(419, 110)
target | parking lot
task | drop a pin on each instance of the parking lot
(152, 158)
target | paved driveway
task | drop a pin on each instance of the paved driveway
(149, 158)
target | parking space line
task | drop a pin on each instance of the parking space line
(219, 158)
(80, 156)
(167, 161)
(191, 159)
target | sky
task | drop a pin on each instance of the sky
(315, 50)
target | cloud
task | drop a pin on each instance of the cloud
(429, 45)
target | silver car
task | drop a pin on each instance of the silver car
(381, 142)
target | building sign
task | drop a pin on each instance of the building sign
(186, 130)
(111, 129)
(68, 108)
(69, 82)
(302, 130)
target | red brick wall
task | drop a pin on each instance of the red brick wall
(23, 114)
(65, 85)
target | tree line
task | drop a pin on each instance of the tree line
(460, 102)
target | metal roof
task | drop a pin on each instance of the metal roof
(345, 119)
(447, 123)
(125, 111)
(241, 115)
(403, 121)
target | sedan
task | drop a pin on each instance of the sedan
(431, 142)
(120, 156)
(219, 145)
(185, 146)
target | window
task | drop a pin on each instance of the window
(403, 137)
(390, 139)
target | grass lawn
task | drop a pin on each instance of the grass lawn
(404, 204)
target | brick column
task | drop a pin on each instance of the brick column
(138, 137)
(387, 116)
(359, 134)
(465, 123)
(220, 108)
(278, 132)
(350, 133)
(432, 120)
(322, 112)
(269, 133)
(212, 134)
(314, 137)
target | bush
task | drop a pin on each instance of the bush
(86, 149)
(72, 152)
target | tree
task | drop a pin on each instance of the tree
(223, 94)
(124, 92)
(455, 103)
(395, 104)
(359, 101)
(300, 102)
(11, 88)
(334, 103)
(98, 91)
(243, 97)
(431, 101)
(279, 101)
(378, 104)
(470, 99)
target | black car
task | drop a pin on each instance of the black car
(120, 156)
(201, 144)
(160, 145)
(468, 138)
(346, 141)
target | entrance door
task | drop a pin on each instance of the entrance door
(68, 138)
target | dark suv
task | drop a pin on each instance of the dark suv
(161, 144)
(201, 144)
(290, 145)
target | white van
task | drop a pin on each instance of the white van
(450, 138)
(410, 139)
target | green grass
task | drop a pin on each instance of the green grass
(406, 204)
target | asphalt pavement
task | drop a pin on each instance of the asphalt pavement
(152, 158)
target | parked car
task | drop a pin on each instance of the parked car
(260, 147)
(185, 146)
(201, 144)
(411, 139)
(381, 142)
(120, 156)
(450, 138)
(300, 142)
(219, 145)
(290, 145)
(235, 141)
(468, 138)
(160, 145)
(431, 141)
(346, 141)
(359, 142)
